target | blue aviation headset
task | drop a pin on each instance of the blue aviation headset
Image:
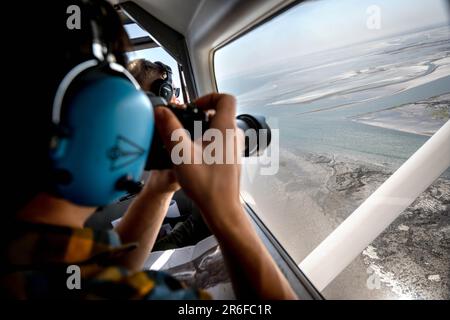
(103, 130)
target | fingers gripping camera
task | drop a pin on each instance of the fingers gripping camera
(196, 122)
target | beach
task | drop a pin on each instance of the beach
(315, 192)
(422, 117)
(347, 118)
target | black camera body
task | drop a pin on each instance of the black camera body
(159, 156)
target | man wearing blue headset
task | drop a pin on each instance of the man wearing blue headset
(91, 152)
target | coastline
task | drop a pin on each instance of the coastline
(395, 128)
(422, 117)
(313, 193)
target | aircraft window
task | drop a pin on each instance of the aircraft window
(134, 31)
(159, 54)
(153, 54)
(353, 95)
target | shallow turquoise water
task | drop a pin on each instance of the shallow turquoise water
(333, 131)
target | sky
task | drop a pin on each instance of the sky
(318, 25)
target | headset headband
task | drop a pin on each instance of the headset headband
(97, 164)
(100, 53)
(72, 74)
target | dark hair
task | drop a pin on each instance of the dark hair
(77, 43)
(42, 54)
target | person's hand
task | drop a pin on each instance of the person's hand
(215, 189)
(209, 185)
(142, 221)
(175, 101)
(161, 182)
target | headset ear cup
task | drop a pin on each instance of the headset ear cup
(162, 89)
(58, 147)
(58, 141)
(109, 131)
